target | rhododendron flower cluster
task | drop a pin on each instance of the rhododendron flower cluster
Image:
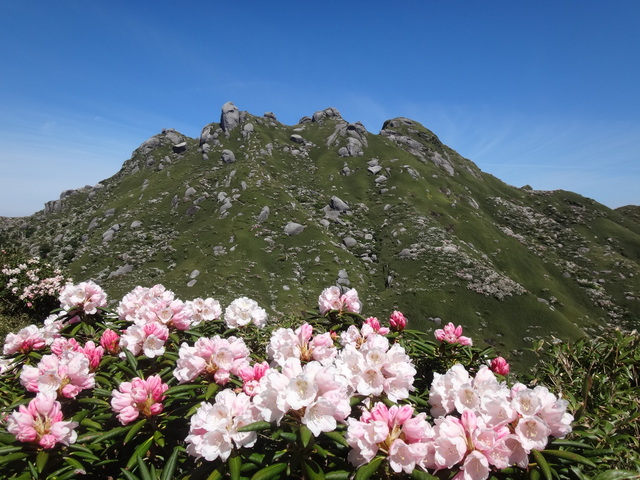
(155, 305)
(110, 341)
(27, 339)
(243, 311)
(316, 394)
(373, 366)
(41, 422)
(452, 334)
(332, 298)
(501, 425)
(85, 296)
(66, 374)
(214, 427)
(251, 377)
(138, 397)
(155, 312)
(395, 431)
(286, 343)
(310, 378)
(214, 357)
(203, 310)
(32, 283)
(148, 339)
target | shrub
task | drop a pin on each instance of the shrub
(28, 287)
(162, 388)
(600, 377)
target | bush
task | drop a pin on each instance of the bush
(600, 377)
(29, 288)
(162, 388)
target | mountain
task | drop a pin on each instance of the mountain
(277, 213)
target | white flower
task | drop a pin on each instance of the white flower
(243, 311)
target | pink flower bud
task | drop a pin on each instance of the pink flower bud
(500, 366)
(110, 341)
(398, 321)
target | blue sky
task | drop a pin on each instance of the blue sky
(545, 93)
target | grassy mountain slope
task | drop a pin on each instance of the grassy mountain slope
(415, 227)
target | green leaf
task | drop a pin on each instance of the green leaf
(97, 437)
(170, 466)
(234, 463)
(131, 360)
(365, 471)
(542, 463)
(10, 449)
(420, 475)
(305, 435)
(336, 437)
(86, 456)
(41, 460)
(211, 390)
(141, 450)
(337, 475)
(142, 468)
(75, 464)
(574, 457)
(93, 401)
(615, 475)
(215, 475)
(128, 475)
(313, 470)
(255, 426)
(12, 457)
(267, 473)
(134, 430)
(288, 436)
(570, 443)
(87, 422)
(419, 401)
(172, 391)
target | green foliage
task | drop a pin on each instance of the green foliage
(600, 377)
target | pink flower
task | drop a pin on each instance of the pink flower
(374, 323)
(204, 310)
(397, 321)
(148, 339)
(301, 344)
(332, 298)
(500, 366)
(110, 341)
(93, 353)
(138, 397)
(27, 339)
(217, 357)
(404, 438)
(86, 296)
(67, 375)
(214, 427)
(41, 422)
(251, 377)
(452, 334)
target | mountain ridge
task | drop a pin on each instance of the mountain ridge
(258, 208)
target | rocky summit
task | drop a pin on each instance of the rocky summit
(277, 213)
